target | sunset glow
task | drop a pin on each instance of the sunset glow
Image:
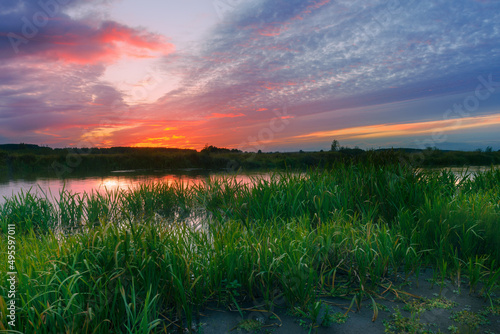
(269, 75)
(435, 128)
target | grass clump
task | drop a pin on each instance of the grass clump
(249, 325)
(134, 263)
(472, 320)
(400, 324)
(334, 318)
(419, 306)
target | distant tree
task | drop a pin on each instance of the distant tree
(259, 151)
(215, 149)
(335, 146)
(206, 149)
(489, 149)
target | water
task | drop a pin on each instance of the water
(131, 178)
(461, 172)
(114, 180)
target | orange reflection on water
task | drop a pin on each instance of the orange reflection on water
(121, 181)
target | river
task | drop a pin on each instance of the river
(132, 178)
(115, 180)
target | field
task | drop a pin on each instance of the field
(160, 258)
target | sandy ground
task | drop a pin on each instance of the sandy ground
(217, 321)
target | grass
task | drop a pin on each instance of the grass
(419, 306)
(471, 320)
(404, 325)
(132, 261)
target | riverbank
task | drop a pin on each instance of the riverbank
(295, 245)
(24, 160)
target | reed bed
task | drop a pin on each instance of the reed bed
(132, 262)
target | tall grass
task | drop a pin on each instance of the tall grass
(135, 266)
(44, 212)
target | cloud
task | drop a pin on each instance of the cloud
(31, 30)
(408, 129)
(231, 115)
(54, 98)
(339, 56)
(334, 64)
(342, 52)
(51, 89)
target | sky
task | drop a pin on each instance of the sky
(270, 75)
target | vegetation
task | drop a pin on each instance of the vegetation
(470, 319)
(153, 257)
(23, 159)
(400, 324)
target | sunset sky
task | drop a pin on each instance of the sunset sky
(250, 74)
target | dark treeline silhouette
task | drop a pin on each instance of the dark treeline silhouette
(28, 158)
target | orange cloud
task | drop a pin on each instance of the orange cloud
(173, 141)
(407, 129)
(48, 134)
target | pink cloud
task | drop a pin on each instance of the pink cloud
(272, 30)
(105, 44)
(231, 115)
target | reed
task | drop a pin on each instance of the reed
(137, 265)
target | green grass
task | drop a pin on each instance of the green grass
(132, 261)
(405, 325)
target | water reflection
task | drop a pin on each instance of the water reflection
(117, 180)
(126, 179)
(460, 173)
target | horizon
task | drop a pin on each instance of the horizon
(252, 75)
(341, 147)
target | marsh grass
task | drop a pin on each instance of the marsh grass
(135, 265)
